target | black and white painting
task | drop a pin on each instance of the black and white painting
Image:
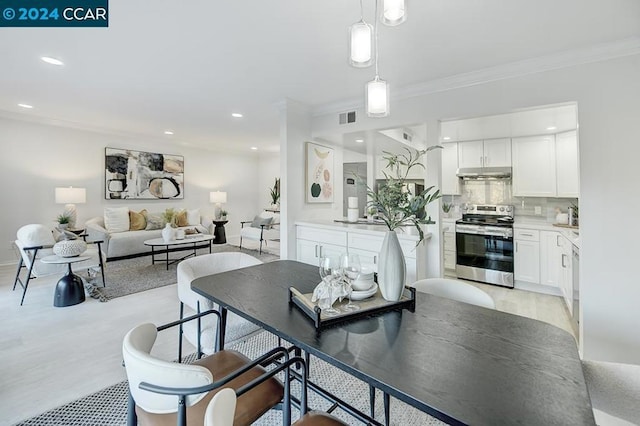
(138, 175)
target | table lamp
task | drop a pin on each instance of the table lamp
(70, 197)
(218, 197)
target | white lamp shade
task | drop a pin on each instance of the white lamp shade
(393, 12)
(218, 197)
(360, 44)
(377, 98)
(71, 195)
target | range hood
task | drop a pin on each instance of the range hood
(484, 173)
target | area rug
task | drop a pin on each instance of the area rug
(108, 407)
(130, 276)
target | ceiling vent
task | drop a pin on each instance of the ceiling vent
(347, 117)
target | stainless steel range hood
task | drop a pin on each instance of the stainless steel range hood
(484, 173)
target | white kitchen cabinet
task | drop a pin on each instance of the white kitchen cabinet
(526, 262)
(487, 153)
(449, 245)
(534, 166)
(450, 182)
(568, 176)
(313, 243)
(550, 258)
(566, 276)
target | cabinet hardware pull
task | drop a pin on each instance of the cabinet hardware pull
(516, 246)
(564, 257)
(320, 251)
(481, 160)
(526, 235)
(316, 250)
(375, 260)
(558, 241)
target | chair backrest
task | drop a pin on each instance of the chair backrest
(142, 367)
(221, 409)
(208, 264)
(33, 235)
(456, 290)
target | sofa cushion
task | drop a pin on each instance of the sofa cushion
(181, 218)
(137, 221)
(116, 219)
(193, 217)
(154, 221)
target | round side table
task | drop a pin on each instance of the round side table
(219, 233)
(70, 289)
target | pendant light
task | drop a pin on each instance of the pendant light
(377, 90)
(360, 43)
(393, 12)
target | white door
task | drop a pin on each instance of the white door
(534, 166)
(568, 184)
(497, 152)
(450, 182)
(527, 261)
(307, 252)
(470, 154)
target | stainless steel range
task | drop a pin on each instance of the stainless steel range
(484, 244)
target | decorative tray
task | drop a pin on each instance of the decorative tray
(373, 305)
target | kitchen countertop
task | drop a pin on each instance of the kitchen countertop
(405, 232)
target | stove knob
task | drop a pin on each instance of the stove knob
(509, 208)
(501, 209)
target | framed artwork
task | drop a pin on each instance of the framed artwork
(319, 174)
(138, 175)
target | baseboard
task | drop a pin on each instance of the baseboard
(538, 288)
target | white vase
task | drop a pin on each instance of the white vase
(168, 233)
(392, 269)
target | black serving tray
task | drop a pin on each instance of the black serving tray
(373, 305)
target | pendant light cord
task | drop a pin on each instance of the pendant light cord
(375, 35)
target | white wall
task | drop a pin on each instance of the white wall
(38, 157)
(607, 95)
(268, 171)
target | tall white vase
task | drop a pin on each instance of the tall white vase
(168, 233)
(392, 269)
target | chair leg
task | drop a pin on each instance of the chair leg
(180, 333)
(240, 241)
(17, 273)
(260, 246)
(26, 284)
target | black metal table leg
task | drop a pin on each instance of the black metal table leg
(387, 408)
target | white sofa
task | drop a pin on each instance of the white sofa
(126, 244)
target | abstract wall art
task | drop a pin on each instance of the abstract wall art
(319, 174)
(138, 175)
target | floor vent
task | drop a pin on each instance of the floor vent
(347, 117)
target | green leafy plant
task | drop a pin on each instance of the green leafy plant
(576, 212)
(275, 192)
(169, 216)
(63, 219)
(393, 202)
(223, 213)
(446, 207)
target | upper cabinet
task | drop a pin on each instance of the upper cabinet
(450, 182)
(567, 172)
(534, 166)
(486, 153)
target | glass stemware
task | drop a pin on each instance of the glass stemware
(350, 267)
(330, 272)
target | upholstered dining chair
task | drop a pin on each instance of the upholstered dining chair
(202, 333)
(36, 241)
(455, 290)
(170, 393)
(263, 228)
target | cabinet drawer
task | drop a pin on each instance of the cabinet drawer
(449, 241)
(322, 235)
(365, 241)
(367, 258)
(526, 234)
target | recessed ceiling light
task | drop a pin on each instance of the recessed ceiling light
(254, 148)
(26, 106)
(168, 132)
(446, 138)
(236, 115)
(359, 140)
(52, 61)
(551, 128)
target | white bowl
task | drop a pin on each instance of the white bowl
(362, 285)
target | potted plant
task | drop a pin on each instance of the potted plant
(168, 233)
(275, 194)
(223, 215)
(396, 206)
(63, 221)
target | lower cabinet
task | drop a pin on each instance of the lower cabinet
(314, 243)
(449, 246)
(526, 262)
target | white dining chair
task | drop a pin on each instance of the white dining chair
(614, 389)
(455, 290)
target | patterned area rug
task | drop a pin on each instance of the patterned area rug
(130, 276)
(108, 407)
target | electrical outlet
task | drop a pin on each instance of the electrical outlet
(538, 209)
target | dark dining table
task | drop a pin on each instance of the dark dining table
(460, 363)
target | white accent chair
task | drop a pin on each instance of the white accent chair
(170, 393)
(203, 333)
(36, 241)
(261, 232)
(455, 290)
(615, 392)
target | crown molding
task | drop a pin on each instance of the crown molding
(596, 53)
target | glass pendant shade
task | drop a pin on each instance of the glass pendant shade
(393, 12)
(377, 98)
(360, 44)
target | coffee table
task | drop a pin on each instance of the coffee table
(173, 245)
(69, 289)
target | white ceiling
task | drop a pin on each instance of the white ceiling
(186, 66)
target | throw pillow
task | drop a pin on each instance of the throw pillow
(193, 217)
(35, 235)
(137, 221)
(259, 220)
(63, 235)
(181, 218)
(154, 221)
(116, 219)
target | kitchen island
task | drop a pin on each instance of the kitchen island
(315, 239)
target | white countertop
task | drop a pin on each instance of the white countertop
(404, 232)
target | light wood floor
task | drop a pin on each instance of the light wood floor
(50, 356)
